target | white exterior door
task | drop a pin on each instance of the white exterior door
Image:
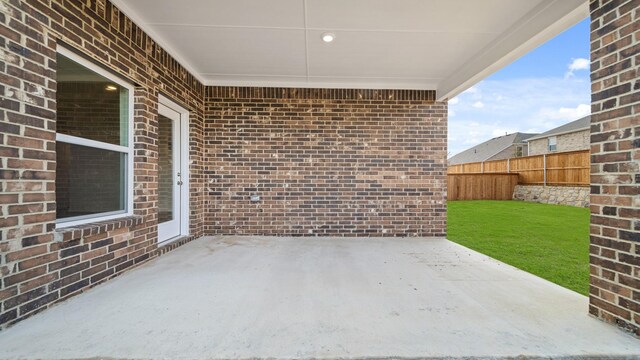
(170, 176)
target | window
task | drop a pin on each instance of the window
(519, 151)
(552, 143)
(94, 172)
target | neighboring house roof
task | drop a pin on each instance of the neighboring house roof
(574, 126)
(488, 148)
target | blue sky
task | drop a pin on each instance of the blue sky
(546, 88)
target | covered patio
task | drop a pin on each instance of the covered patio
(332, 298)
(134, 129)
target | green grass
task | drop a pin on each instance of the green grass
(550, 241)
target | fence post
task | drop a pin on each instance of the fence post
(482, 167)
(508, 166)
(544, 167)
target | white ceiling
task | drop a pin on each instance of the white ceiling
(443, 45)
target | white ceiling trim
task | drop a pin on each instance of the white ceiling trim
(329, 82)
(306, 38)
(434, 32)
(327, 76)
(323, 84)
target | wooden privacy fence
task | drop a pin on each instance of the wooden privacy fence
(496, 186)
(561, 169)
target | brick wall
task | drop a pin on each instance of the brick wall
(566, 142)
(40, 265)
(366, 162)
(615, 163)
(325, 162)
(541, 146)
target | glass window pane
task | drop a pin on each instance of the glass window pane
(165, 169)
(89, 105)
(89, 180)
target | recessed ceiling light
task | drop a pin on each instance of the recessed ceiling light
(328, 37)
(111, 88)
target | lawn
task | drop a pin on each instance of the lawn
(550, 241)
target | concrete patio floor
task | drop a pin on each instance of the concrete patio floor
(259, 297)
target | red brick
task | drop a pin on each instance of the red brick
(23, 142)
(37, 261)
(23, 231)
(22, 186)
(32, 284)
(38, 218)
(25, 209)
(26, 253)
(24, 275)
(8, 222)
(8, 292)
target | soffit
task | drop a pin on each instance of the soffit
(443, 45)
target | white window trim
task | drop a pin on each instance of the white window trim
(553, 143)
(91, 143)
(127, 150)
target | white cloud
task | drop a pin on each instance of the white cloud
(566, 114)
(454, 101)
(530, 105)
(473, 93)
(577, 64)
(465, 134)
(478, 105)
(501, 132)
(471, 90)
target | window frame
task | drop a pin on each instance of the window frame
(555, 144)
(127, 150)
(519, 151)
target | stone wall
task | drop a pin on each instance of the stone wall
(325, 162)
(558, 195)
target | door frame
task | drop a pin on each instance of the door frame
(184, 165)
